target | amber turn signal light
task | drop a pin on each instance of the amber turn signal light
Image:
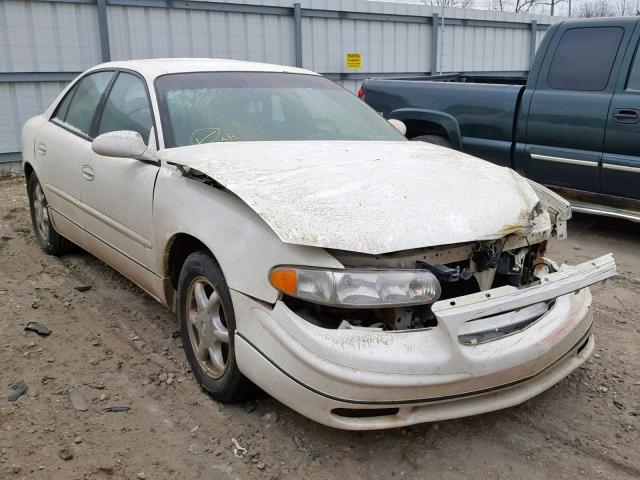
(285, 280)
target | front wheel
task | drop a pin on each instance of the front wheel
(207, 326)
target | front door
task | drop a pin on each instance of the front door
(568, 110)
(621, 160)
(117, 193)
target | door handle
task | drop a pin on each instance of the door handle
(87, 173)
(626, 115)
(42, 148)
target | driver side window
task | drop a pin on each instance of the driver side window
(127, 107)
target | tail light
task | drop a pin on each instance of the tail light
(361, 93)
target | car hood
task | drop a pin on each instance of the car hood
(368, 197)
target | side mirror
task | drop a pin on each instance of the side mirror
(123, 144)
(399, 125)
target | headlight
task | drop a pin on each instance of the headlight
(357, 288)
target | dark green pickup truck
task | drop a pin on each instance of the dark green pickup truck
(573, 124)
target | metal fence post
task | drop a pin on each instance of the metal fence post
(434, 43)
(105, 48)
(534, 40)
(297, 30)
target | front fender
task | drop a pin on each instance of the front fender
(242, 243)
(446, 121)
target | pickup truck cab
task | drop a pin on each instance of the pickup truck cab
(572, 124)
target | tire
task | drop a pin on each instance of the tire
(433, 139)
(207, 326)
(50, 241)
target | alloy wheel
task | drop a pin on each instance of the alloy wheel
(41, 210)
(208, 332)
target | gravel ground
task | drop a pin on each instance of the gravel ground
(116, 347)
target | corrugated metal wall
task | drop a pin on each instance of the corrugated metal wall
(18, 102)
(386, 47)
(144, 32)
(45, 43)
(48, 36)
(465, 48)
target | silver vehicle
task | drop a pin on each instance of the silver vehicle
(306, 246)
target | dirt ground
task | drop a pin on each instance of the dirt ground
(118, 348)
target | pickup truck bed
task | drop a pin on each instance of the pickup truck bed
(450, 108)
(573, 125)
(505, 78)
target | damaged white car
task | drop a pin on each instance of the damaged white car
(307, 247)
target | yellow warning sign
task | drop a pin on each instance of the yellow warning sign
(354, 60)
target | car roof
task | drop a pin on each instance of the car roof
(152, 68)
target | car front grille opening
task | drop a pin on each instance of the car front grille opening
(364, 412)
(486, 329)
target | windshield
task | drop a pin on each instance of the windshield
(212, 107)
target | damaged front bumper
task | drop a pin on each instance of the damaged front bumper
(357, 379)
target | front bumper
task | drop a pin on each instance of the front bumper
(337, 377)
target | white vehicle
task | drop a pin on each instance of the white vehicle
(307, 247)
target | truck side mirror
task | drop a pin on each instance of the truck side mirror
(398, 125)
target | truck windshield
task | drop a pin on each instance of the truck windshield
(212, 107)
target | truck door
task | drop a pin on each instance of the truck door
(621, 159)
(569, 107)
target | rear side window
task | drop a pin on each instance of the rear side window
(584, 58)
(63, 106)
(127, 107)
(634, 76)
(85, 101)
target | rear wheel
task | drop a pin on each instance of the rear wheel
(51, 241)
(433, 139)
(207, 326)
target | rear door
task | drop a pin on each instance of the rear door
(569, 107)
(621, 159)
(59, 141)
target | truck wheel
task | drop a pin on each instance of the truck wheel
(434, 139)
(50, 241)
(207, 326)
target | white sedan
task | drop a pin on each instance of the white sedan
(306, 246)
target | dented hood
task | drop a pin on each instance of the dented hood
(368, 197)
